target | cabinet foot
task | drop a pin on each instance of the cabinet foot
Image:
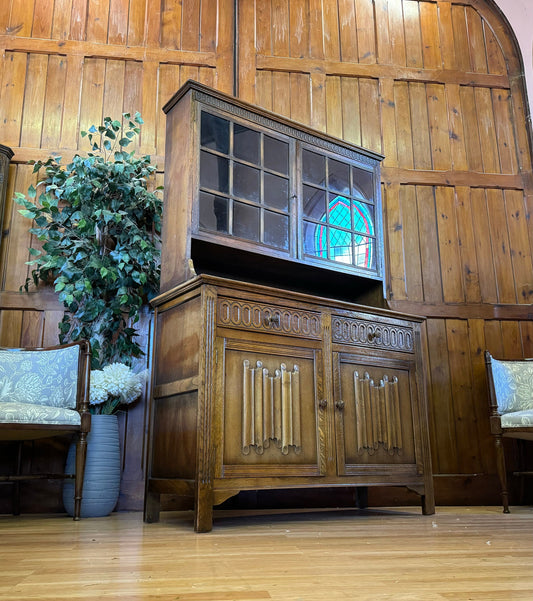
(428, 505)
(203, 511)
(152, 507)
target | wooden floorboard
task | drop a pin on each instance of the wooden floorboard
(459, 554)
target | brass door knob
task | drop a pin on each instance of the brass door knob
(339, 405)
(322, 404)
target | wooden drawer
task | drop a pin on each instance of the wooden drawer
(274, 319)
(372, 333)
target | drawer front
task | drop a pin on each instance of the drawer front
(372, 334)
(245, 315)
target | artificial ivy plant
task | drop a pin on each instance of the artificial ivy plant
(100, 226)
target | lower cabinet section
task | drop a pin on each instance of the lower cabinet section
(257, 388)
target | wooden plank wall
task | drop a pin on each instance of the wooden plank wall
(434, 85)
(65, 64)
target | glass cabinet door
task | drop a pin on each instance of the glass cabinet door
(244, 183)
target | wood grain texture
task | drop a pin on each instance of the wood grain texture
(459, 554)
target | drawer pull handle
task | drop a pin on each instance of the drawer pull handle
(340, 405)
(271, 320)
(323, 404)
(371, 336)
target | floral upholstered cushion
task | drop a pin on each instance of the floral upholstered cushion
(518, 418)
(513, 383)
(47, 377)
(37, 414)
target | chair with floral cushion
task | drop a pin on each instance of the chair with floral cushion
(511, 408)
(44, 393)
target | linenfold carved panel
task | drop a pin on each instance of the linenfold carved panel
(372, 334)
(241, 314)
(377, 414)
(270, 409)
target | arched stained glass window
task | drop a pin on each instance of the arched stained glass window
(348, 244)
(339, 218)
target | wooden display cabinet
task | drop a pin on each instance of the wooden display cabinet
(261, 379)
(262, 388)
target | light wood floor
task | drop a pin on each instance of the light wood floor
(475, 553)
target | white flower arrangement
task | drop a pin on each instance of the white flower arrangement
(115, 385)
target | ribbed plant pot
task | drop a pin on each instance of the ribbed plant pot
(101, 484)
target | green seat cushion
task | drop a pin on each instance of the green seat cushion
(28, 413)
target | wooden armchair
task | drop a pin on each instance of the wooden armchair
(511, 408)
(44, 392)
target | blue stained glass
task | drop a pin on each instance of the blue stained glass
(340, 242)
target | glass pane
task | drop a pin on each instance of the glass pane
(339, 211)
(338, 176)
(213, 213)
(276, 155)
(314, 203)
(246, 221)
(214, 172)
(246, 143)
(362, 186)
(364, 252)
(315, 239)
(214, 133)
(314, 168)
(276, 231)
(363, 217)
(340, 243)
(276, 192)
(246, 182)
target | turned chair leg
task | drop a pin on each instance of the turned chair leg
(81, 456)
(502, 474)
(15, 499)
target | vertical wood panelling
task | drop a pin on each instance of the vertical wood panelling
(366, 31)
(466, 221)
(429, 247)
(449, 253)
(438, 127)
(413, 41)
(487, 279)
(476, 40)
(412, 252)
(519, 228)
(420, 120)
(404, 126)
(500, 247)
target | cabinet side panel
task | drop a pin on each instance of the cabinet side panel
(177, 211)
(174, 436)
(178, 342)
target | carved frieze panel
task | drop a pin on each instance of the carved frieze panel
(372, 334)
(257, 316)
(271, 409)
(377, 414)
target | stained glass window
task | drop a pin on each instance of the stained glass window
(342, 228)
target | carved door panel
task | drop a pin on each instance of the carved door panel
(374, 412)
(272, 418)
